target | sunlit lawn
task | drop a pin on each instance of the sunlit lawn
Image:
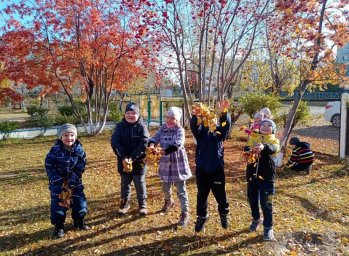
(311, 212)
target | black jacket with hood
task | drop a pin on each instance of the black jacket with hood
(129, 140)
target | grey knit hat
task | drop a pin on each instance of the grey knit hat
(66, 128)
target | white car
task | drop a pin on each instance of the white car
(332, 113)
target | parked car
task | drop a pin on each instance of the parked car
(332, 113)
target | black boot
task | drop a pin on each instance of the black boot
(81, 225)
(58, 232)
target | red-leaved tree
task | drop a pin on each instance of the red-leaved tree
(86, 48)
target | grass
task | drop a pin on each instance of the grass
(311, 212)
(14, 115)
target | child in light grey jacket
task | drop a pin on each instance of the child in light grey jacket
(174, 166)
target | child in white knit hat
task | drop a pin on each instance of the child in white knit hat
(266, 113)
(174, 166)
(65, 164)
(255, 125)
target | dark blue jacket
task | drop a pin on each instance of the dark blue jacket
(63, 164)
(210, 149)
(130, 141)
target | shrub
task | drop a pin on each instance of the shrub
(7, 127)
(115, 113)
(34, 110)
(253, 102)
(66, 110)
(302, 115)
(44, 122)
(65, 119)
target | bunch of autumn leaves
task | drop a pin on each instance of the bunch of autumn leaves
(206, 116)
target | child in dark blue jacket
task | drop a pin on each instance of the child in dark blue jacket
(209, 161)
(65, 164)
(129, 142)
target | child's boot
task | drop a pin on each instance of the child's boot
(168, 204)
(268, 234)
(200, 223)
(58, 231)
(143, 210)
(255, 224)
(81, 225)
(184, 219)
(224, 220)
(124, 206)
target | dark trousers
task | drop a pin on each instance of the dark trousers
(78, 206)
(300, 167)
(206, 182)
(261, 192)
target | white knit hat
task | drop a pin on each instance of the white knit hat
(258, 115)
(66, 128)
(265, 111)
(175, 112)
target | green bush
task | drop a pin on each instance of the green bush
(65, 119)
(44, 122)
(253, 102)
(302, 115)
(34, 110)
(114, 114)
(7, 127)
(66, 110)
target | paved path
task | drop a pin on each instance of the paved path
(34, 132)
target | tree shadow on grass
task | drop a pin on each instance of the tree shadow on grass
(14, 241)
(72, 245)
(41, 213)
(179, 245)
(35, 214)
(320, 213)
(19, 177)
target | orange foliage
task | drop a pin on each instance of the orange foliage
(309, 30)
(86, 44)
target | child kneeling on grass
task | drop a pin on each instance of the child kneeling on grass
(302, 157)
(65, 163)
(260, 175)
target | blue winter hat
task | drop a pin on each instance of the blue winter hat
(273, 125)
(294, 141)
(132, 107)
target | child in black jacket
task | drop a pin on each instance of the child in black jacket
(129, 142)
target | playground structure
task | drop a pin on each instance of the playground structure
(153, 107)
